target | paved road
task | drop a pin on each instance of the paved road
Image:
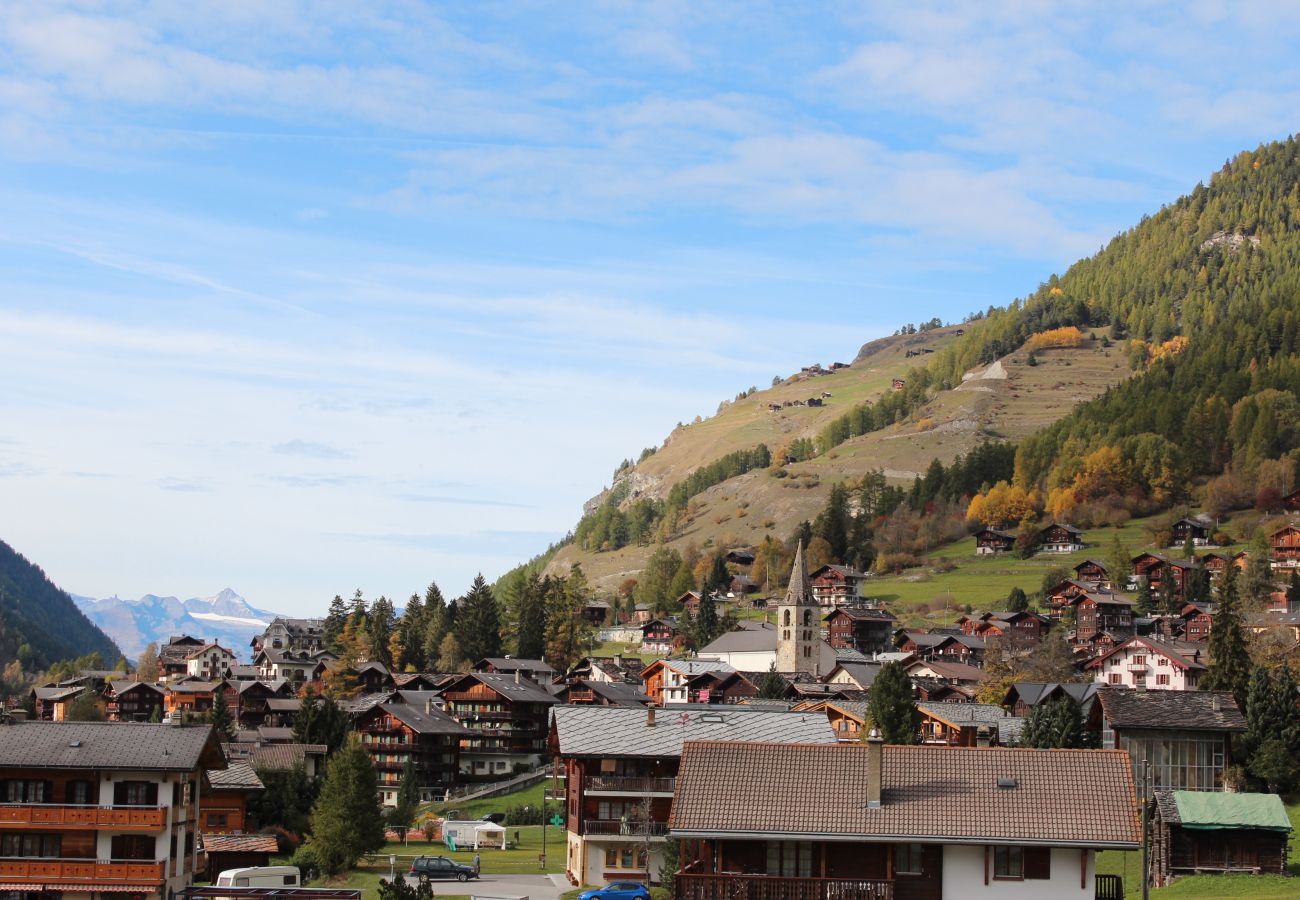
(536, 887)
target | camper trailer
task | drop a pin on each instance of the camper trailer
(261, 876)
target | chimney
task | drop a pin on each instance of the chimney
(649, 717)
(428, 706)
(518, 677)
(1216, 702)
(875, 767)
(983, 737)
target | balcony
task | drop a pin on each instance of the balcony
(619, 828)
(145, 818)
(81, 871)
(630, 784)
(773, 887)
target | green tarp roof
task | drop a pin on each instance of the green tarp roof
(1214, 809)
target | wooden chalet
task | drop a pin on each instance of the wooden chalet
(249, 701)
(1020, 627)
(836, 585)
(506, 715)
(1150, 568)
(191, 698)
(1056, 599)
(866, 630)
(1021, 698)
(1059, 538)
(396, 734)
(1198, 832)
(657, 636)
(173, 656)
(1198, 528)
(538, 670)
(992, 540)
(1292, 501)
(958, 674)
(1098, 611)
(757, 821)
(740, 556)
(51, 702)
(134, 701)
(1093, 572)
(225, 802)
(961, 724)
(374, 677)
(846, 717)
(1285, 544)
(690, 603)
(602, 693)
(1197, 621)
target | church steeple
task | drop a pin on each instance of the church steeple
(798, 643)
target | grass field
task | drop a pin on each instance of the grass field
(529, 796)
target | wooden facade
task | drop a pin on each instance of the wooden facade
(1095, 613)
(1060, 538)
(1285, 544)
(992, 540)
(865, 630)
(835, 585)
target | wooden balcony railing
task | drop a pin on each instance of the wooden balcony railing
(88, 871)
(629, 784)
(50, 816)
(612, 827)
(773, 887)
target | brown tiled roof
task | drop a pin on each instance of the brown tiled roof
(947, 794)
(1195, 710)
(239, 843)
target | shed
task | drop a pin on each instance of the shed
(1211, 831)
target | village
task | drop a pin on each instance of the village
(754, 767)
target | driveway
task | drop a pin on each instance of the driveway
(536, 887)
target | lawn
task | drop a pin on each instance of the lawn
(476, 809)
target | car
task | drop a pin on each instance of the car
(440, 868)
(618, 890)
(494, 818)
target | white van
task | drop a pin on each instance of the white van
(261, 876)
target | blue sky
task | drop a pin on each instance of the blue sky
(304, 297)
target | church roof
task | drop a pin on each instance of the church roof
(799, 593)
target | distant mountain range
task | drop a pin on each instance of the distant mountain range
(226, 618)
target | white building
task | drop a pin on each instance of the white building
(210, 662)
(1145, 662)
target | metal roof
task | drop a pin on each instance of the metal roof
(109, 745)
(621, 731)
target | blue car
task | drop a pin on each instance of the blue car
(618, 890)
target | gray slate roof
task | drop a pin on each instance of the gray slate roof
(620, 731)
(108, 745)
(1126, 708)
(965, 713)
(422, 721)
(237, 776)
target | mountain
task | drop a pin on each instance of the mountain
(39, 623)
(1142, 378)
(226, 618)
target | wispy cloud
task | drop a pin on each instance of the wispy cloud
(184, 485)
(311, 450)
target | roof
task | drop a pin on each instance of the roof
(959, 714)
(861, 674)
(1182, 710)
(616, 692)
(109, 745)
(757, 637)
(1069, 528)
(423, 721)
(238, 776)
(284, 704)
(509, 664)
(1213, 810)
(949, 671)
(525, 690)
(1034, 692)
(56, 693)
(1184, 654)
(948, 794)
(622, 731)
(274, 756)
(862, 614)
(240, 843)
(689, 668)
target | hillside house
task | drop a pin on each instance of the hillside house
(1093, 572)
(1059, 538)
(958, 674)
(51, 702)
(836, 585)
(1098, 611)
(395, 734)
(1056, 599)
(188, 699)
(1197, 621)
(958, 648)
(1186, 736)
(620, 768)
(1285, 544)
(134, 701)
(1199, 528)
(374, 677)
(601, 693)
(209, 662)
(1194, 833)
(641, 613)
(689, 603)
(740, 556)
(507, 716)
(757, 821)
(249, 701)
(616, 669)
(1018, 627)
(1150, 568)
(1145, 662)
(864, 629)
(93, 809)
(657, 636)
(993, 540)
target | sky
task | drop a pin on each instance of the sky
(305, 297)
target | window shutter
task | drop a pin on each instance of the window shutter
(1038, 863)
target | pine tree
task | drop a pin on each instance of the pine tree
(479, 626)
(1017, 600)
(346, 823)
(773, 686)
(1169, 602)
(222, 722)
(1293, 592)
(320, 720)
(530, 618)
(1058, 723)
(670, 862)
(380, 628)
(719, 578)
(1143, 605)
(1118, 562)
(833, 523)
(1189, 548)
(335, 619)
(435, 625)
(706, 628)
(146, 667)
(1229, 660)
(569, 635)
(891, 706)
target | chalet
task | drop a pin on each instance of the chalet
(1093, 572)
(641, 613)
(1285, 543)
(537, 670)
(992, 540)
(419, 681)
(1059, 538)
(1023, 696)
(601, 693)
(968, 725)
(657, 636)
(932, 690)
(958, 674)
(616, 669)
(209, 662)
(1056, 599)
(596, 612)
(846, 717)
(1214, 563)
(134, 701)
(740, 556)
(1149, 568)
(718, 686)
(1186, 736)
(507, 717)
(278, 757)
(904, 822)
(1144, 662)
(397, 734)
(188, 699)
(1023, 627)
(224, 806)
(943, 647)
(836, 585)
(866, 630)
(1197, 619)
(689, 603)
(173, 656)
(249, 701)
(297, 667)
(102, 808)
(667, 681)
(620, 768)
(858, 676)
(1292, 501)
(1195, 833)
(1198, 528)
(740, 585)
(1098, 611)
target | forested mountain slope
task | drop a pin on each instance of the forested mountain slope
(39, 623)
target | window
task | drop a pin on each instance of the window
(79, 793)
(1116, 678)
(907, 859)
(1008, 862)
(135, 793)
(789, 858)
(48, 845)
(1162, 679)
(1038, 863)
(786, 619)
(30, 791)
(625, 858)
(217, 820)
(133, 846)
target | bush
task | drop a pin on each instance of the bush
(286, 841)
(305, 859)
(523, 815)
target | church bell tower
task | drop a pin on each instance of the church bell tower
(798, 623)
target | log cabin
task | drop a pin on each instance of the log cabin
(1059, 538)
(1195, 833)
(1285, 543)
(990, 541)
